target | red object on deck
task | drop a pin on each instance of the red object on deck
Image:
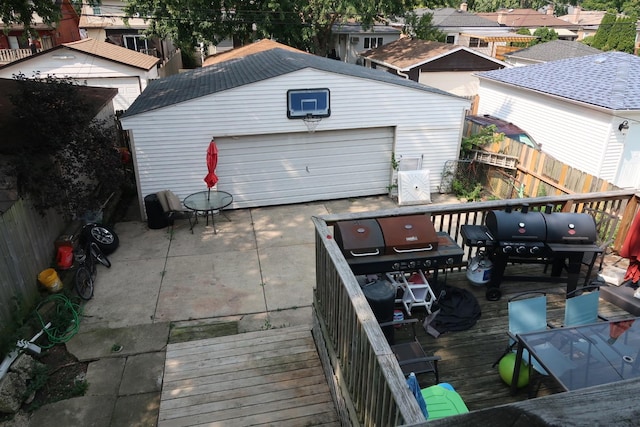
(631, 250)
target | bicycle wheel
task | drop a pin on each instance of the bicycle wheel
(96, 253)
(84, 283)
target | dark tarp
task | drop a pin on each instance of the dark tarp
(457, 310)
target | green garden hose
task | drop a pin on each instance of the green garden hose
(65, 321)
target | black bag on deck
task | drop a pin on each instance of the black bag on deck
(458, 310)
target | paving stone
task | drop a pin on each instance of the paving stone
(142, 374)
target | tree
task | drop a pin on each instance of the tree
(622, 35)
(21, 12)
(601, 36)
(544, 35)
(422, 28)
(305, 24)
(64, 155)
(615, 33)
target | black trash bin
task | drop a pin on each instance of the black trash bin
(381, 296)
(156, 217)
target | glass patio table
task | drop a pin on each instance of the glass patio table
(584, 356)
(210, 202)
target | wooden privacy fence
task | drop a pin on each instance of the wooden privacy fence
(26, 248)
(540, 174)
(365, 379)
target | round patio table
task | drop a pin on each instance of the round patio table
(210, 202)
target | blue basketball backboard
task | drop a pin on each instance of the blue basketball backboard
(303, 103)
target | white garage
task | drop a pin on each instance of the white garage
(279, 169)
(129, 88)
(266, 155)
(93, 63)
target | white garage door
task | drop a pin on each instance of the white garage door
(262, 170)
(128, 89)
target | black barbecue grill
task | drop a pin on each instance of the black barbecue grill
(557, 238)
(401, 243)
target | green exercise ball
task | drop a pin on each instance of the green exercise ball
(507, 365)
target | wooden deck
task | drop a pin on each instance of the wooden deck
(468, 356)
(274, 377)
(271, 377)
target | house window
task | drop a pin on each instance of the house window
(135, 42)
(97, 10)
(372, 42)
(451, 39)
(476, 42)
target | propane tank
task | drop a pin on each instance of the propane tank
(479, 269)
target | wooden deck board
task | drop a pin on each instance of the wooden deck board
(265, 377)
(274, 377)
(468, 356)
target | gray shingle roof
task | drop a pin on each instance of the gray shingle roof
(554, 50)
(251, 69)
(608, 80)
(450, 17)
(445, 17)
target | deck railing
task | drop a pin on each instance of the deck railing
(10, 55)
(367, 382)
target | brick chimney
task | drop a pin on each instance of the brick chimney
(576, 14)
(550, 10)
(501, 18)
(463, 7)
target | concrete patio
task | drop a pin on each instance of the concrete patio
(256, 273)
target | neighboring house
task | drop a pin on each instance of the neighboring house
(350, 39)
(268, 158)
(250, 49)
(99, 100)
(94, 63)
(105, 21)
(585, 111)
(14, 44)
(440, 65)
(550, 51)
(585, 21)
(588, 22)
(532, 20)
(467, 29)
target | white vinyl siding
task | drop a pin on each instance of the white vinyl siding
(128, 89)
(171, 142)
(575, 135)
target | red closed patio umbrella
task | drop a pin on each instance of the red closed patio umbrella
(212, 161)
(631, 250)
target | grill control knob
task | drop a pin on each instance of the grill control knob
(521, 250)
(427, 263)
(395, 266)
(449, 261)
(412, 264)
(534, 250)
(507, 249)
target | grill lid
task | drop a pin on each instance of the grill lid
(410, 233)
(516, 226)
(570, 228)
(359, 238)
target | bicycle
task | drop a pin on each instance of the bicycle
(86, 273)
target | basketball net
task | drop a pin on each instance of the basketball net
(311, 122)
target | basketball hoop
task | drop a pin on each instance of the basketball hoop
(311, 122)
